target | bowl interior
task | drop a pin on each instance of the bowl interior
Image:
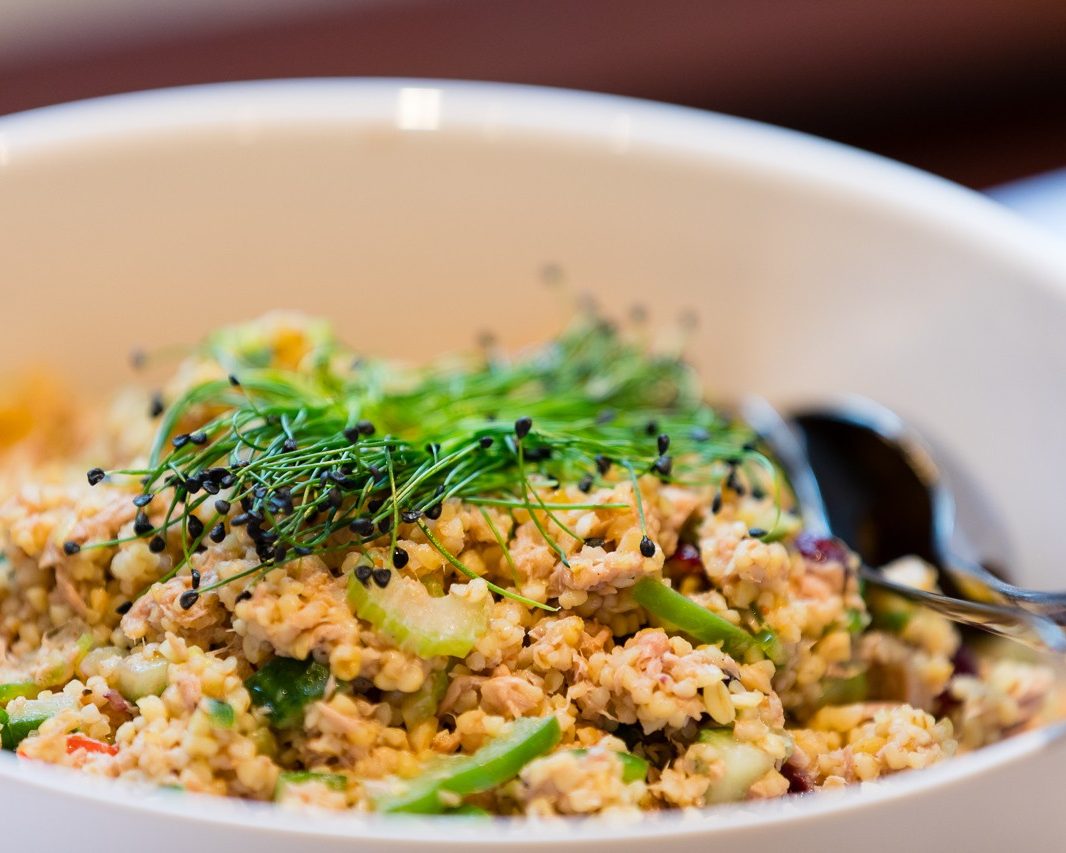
(415, 215)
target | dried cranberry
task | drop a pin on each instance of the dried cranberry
(964, 661)
(822, 549)
(798, 780)
(686, 560)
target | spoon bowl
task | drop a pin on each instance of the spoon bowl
(887, 496)
(859, 507)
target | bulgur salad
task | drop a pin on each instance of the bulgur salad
(556, 583)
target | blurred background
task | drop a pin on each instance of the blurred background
(974, 90)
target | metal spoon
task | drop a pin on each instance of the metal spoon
(852, 523)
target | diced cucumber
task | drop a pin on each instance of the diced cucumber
(422, 704)
(744, 766)
(845, 690)
(221, 713)
(138, 676)
(415, 620)
(62, 664)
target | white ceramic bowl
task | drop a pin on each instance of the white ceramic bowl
(414, 214)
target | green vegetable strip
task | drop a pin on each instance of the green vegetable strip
(634, 768)
(698, 622)
(29, 689)
(492, 765)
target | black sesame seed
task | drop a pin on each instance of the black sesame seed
(95, 475)
(240, 520)
(352, 434)
(227, 480)
(382, 577)
(142, 500)
(301, 551)
(193, 484)
(538, 454)
(362, 526)
(585, 483)
(280, 553)
(141, 524)
(651, 427)
(595, 541)
(410, 516)
(433, 512)
(234, 381)
(195, 576)
(188, 598)
(211, 487)
(663, 443)
(647, 547)
(365, 428)
(156, 407)
(756, 532)
(157, 545)
(399, 558)
(335, 498)
(485, 441)
(199, 437)
(363, 573)
(733, 483)
(748, 446)
(289, 445)
(124, 608)
(244, 596)
(716, 503)
(222, 506)
(218, 532)
(180, 440)
(385, 525)
(603, 464)
(71, 548)
(522, 426)
(663, 465)
(376, 504)
(196, 527)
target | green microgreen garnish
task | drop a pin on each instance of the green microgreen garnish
(334, 455)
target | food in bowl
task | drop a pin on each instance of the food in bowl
(558, 583)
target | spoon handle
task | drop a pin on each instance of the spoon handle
(1032, 629)
(979, 584)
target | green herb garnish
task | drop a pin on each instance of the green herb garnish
(335, 455)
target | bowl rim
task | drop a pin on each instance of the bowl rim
(490, 113)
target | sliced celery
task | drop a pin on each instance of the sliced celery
(415, 620)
